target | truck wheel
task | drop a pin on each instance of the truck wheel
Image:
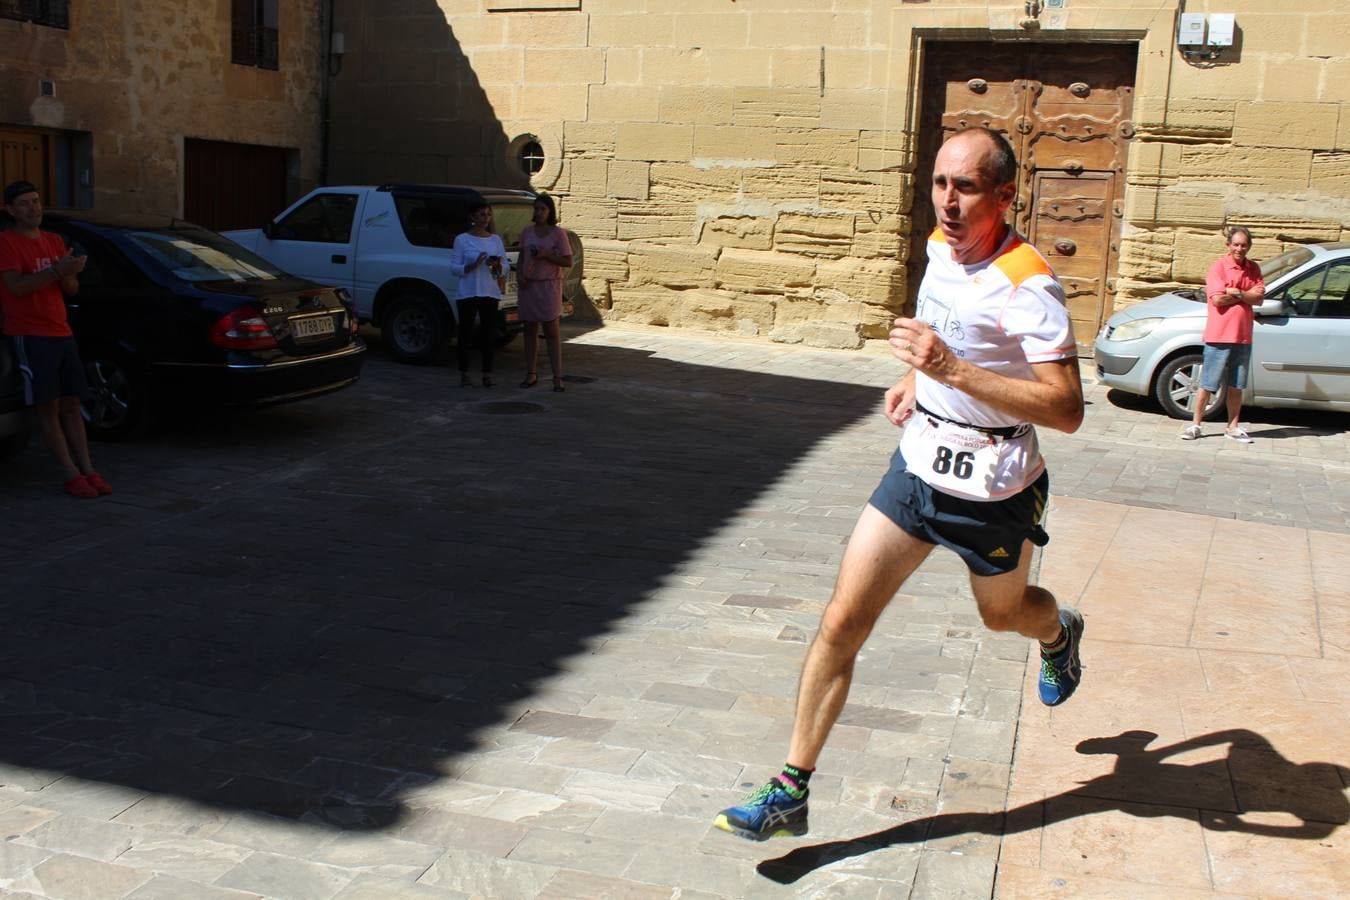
(414, 328)
(1178, 386)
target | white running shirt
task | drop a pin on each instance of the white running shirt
(1002, 314)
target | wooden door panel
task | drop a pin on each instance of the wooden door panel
(1071, 226)
(1065, 109)
(996, 106)
(23, 155)
(1067, 151)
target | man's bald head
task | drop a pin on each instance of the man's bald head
(1000, 163)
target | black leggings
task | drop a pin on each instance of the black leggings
(485, 310)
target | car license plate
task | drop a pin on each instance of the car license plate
(316, 327)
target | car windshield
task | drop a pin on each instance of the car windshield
(195, 254)
(1284, 263)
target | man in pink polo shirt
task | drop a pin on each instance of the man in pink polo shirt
(1233, 286)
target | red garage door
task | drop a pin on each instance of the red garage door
(232, 185)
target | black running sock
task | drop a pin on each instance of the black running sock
(795, 780)
(1059, 643)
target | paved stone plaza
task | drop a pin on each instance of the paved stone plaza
(414, 640)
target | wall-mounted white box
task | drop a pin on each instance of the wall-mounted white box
(1191, 30)
(1221, 27)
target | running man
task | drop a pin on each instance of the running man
(968, 473)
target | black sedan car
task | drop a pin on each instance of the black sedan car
(171, 313)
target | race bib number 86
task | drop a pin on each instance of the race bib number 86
(950, 457)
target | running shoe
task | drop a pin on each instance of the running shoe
(1238, 434)
(1061, 672)
(767, 813)
(1191, 433)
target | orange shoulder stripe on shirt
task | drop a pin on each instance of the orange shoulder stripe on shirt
(938, 236)
(1021, 261)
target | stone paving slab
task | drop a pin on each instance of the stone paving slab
(399, 641)
(1194, 760)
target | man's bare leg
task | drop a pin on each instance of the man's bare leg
(880, 556)
(1234, 430)
(72, 424)
(1201, 401)
(1008, 603)
(49, 417)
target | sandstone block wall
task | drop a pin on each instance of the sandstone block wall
(748, 167)
(1257, 137)
(141, 76)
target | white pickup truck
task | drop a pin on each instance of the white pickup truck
(389, 246)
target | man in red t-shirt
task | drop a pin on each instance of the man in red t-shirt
(1233, 286)
(35, 270)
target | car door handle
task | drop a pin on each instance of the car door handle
(339, 258)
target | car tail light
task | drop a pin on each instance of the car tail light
(353, 323)
(243, 329)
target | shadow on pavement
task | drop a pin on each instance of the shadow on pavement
(1285, 423)
(311, 611)
(1253, 777)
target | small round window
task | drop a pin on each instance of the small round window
(531, 157)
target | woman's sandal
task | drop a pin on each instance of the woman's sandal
(531, 379)
(558, 386)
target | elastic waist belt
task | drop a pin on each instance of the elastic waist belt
(1007, 431)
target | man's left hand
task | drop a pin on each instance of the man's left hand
(914, 342)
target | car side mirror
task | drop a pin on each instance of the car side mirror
(1270, 306)
(268, 230)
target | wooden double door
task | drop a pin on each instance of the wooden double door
(27, 155)
(1066, 110)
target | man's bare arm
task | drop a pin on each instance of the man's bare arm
(23, 285)
(64, 272)
(1054, 399)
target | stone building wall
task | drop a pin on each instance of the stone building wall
(1259, 137)
(747, 166)
(138, 76)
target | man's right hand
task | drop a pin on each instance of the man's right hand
(900, 401)
(70, 264)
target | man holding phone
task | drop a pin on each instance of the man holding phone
(36, 270)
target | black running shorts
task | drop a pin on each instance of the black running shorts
(51, 368)
(987, 534)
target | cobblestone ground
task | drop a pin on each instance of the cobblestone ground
(413, 640)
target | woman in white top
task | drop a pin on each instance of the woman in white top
(479, 259)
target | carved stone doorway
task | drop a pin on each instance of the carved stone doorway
(1066, 109)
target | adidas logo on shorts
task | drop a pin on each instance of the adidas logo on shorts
(999, 553)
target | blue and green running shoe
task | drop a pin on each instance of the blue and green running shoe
(772, 811)
(1061, 672)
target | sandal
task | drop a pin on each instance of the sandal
(558, 386)
(531, 379)
(465, 380)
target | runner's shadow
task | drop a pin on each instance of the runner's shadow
(1253, 777)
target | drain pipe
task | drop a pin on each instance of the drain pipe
(325, 76)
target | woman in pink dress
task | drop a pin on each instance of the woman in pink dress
(545, 253)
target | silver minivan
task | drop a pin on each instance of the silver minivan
(1300, 342)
